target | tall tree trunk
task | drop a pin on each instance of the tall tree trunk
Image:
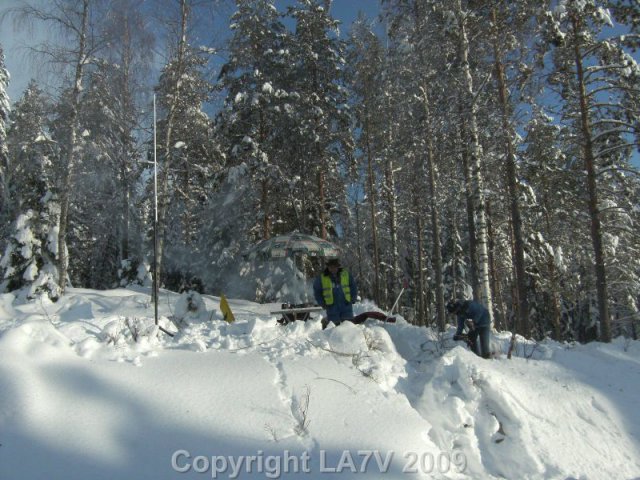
(471, 222)
(359, 239)
(436, 251)
(390, 190)
(589, 163)
(475, 152)
(420, 297)
(65, 187)
(5, 176)
(321, 204)
(453, 228)
(512, 186)
(495, 285)
(264, 202)
(556, 318)
(373, 207)
(264, 185)
(304, 202)
(124, 197)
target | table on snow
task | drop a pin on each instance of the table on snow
(292, 314)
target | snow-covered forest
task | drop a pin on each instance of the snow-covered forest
(470, 148)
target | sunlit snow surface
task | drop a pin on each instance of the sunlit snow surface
(81, 399)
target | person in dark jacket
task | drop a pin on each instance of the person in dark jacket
(335, 290)
(480, 328)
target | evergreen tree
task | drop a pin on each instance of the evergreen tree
(257, 110)
(322, 135)
(196, 160)
(29, 260)
(30, 257)
(554, 226)
(181, 91)
(31, 150)
(93, 240)
(596, 77)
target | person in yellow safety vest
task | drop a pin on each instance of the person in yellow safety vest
(335, 290)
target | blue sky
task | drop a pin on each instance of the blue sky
(22, 70)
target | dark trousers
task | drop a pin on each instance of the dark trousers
(479, 338)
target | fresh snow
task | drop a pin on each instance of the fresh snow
(81, 399)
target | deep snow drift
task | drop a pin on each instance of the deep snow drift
(90, 389)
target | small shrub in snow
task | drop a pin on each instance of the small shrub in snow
(374, 342)
(127, 329)
(135, 327)
(112, 332)
(300, 409)
(271, 430)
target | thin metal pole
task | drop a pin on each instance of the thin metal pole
(155, 216)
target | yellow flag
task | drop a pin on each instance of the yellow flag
(226, 310)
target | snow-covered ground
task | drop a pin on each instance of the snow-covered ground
(81, 399)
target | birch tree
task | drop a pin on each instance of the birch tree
(468, 102)
(5, 109)
(323, 132)
(77, 42)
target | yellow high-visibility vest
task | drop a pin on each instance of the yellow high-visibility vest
(327, 287)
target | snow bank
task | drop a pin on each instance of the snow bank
(90, 388)
(528, 419)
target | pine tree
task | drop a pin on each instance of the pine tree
(555, 231)
(253, 124)
(196, 160)
(428, 88)
(322, 135)
(510, 22)
(597, 79)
